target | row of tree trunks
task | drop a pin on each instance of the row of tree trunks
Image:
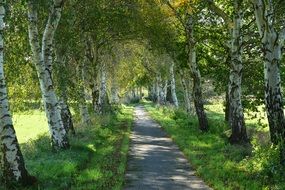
(42, 60)
(158, 91)
(12, 166)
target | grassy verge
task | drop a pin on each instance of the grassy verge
(96, 159)
(221, 165)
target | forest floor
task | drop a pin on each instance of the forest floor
(154, 161)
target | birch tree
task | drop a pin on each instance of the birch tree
(237, 122)
(272, 39)
(234, 94)
(42, 58)
(196, 76)
(85, 117)
(12, 165)
(186, 91)
(63, 77)
(173, 85)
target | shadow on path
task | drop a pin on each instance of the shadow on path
(155, 162)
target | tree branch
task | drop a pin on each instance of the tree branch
(213, 7)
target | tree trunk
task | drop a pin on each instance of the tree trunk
(227, 105)
(103, 99)
(12, 165)
(114, 92)
(66, 117)
(162, 91)
(95, 96)
(173, 86)
(187, 96)
(85, 117)
(152, 92)
(114, 83)
(157, 89)
(195, 74)
(272, 43)
(62, 84)
(42, 61)
(237, 123)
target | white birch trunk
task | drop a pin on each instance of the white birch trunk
(173, 85)
(187, 95)
(272, 43)
(115, 92)
(114, 83)
(103, 99)
(157, 89)
(163, 92)
(42, 62)
(65, 112)
(195, 74)
(237, 122)
(66, 117)
(85, 117)
(12, 164)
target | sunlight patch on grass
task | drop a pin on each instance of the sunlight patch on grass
(29, 125)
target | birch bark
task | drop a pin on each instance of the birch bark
(237, 122)
(173, 85)
(43, 62)
(195, 74)
(187, 95)
(85, 117)
(272, 43)
(12, 165)
(103, 98)
(114, 92)
(62, 83)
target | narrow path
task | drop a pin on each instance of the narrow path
(155, 162)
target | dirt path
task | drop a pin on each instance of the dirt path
(155, 162)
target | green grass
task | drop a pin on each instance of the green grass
(29, 125)
(221, 165)
(96, 160)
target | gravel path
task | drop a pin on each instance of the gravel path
(155, 162)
